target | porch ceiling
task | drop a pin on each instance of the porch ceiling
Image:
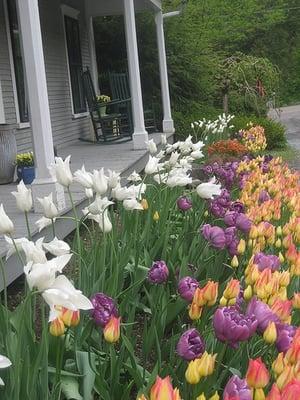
(97, 8)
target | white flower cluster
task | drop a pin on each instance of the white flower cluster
(217, 126)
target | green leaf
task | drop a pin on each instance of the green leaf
(84, 367)
(70, 388)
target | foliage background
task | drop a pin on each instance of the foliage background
(206, 33)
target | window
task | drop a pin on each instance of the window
(15, 39)
(75, 63)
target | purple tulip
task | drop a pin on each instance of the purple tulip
(104, 308)
(158, 273)
(232, 326)
(190, 345)
(187, 287)
(285, 334)
(215, 235)
(237, 206)
(237, 388)
(230, 218)
(264, 261)
(230, 234)
(263, 196)
(184, 203)
(233, 247)
(243, 223)
(262, 313)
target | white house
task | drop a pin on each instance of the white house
(44, 44)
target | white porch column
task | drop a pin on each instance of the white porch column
(29, 20)
(92, 49)
(140, 135)
(168, 124)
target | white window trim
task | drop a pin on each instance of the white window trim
(2, 113)
(73, 13)
(20, 125)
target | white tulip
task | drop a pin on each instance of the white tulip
(151, 146)
(173, 158)
(57, 247)
(113, 178)
(178, 177)
(83, 177)
(132, 204)
(4, 363)
(14, 245)
(197, 154)
(23, 197)
(163, 139)
(104, 222)
(121, 193)
(100, 184)
(6, 225)
(198, 146)
(208, 190)
(151, 165)
(50, 209)
(43, 222)
(160, 155)
(134, 177)
(61, 171)
(63, 294)
(99, 205)
(42, 276)
(89, 193)
(34, 251)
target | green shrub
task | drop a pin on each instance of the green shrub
(274, 131)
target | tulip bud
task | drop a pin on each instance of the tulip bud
(6, 225)
(232, 289)
(241, 247)
(274, 393)
(257, 375)
(259, 394)
(223, 301)
(270, 333)
(142, 397)
(201, 397)
(156, 216)
(234, 262)
(163, 389)
(281, 258)
(250, 243)
(279, 231)
(278, 364)
(210, 292)
(253, 232)
(248, 293)
(215, 397)
(111, 330)
(70, 317)
(195, 311)
(285, 377)
(278, 243)
(296, 301)
(57, 327)
(206, 364)
(144, 204)
(192, 374)
(206, 214)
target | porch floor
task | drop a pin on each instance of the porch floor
(119, 157)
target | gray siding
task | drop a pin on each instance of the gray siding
(65, 128)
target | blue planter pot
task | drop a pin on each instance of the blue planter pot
(27, 174)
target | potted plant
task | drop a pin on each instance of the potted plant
(102, 99)
(25, 167)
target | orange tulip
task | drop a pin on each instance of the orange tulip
(163, 390)
(257, 375)
(111, 330)
(292, 390)
(282, 308)
(195, 311)
(274, 393)
(232, 289)
(279, 364)
(210, 292)
(285, 377)
(69, 317)
(57, 327)
(270, 333)
(293, 353)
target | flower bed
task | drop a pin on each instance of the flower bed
(183, 291)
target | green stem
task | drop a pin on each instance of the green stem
(53, 228)
(27, 225)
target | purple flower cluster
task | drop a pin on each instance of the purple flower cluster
(264, 316)
(239, 220)
(221, 238)
(220, 204)
(232, 326)
(264, 261)
(225, 172)
(190, 345)
(158, 273)
(104, 308)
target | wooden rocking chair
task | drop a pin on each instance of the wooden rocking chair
(119, 86)
(114, 126)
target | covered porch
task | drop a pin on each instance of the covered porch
(121, 158)
(33, 52)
